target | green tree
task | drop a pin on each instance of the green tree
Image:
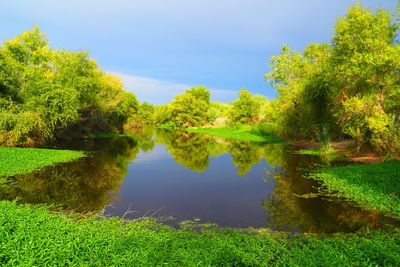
(348, 88)
(47, 94)
(245, 109)
(191, 108)
(366, 61)
(143, 116)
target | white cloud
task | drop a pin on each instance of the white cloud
(157, 91)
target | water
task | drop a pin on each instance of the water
(184, 176)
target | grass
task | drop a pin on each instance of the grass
(243, 134)
(308, 152)
(372, 186)
(15, 161)
(106, 135)
(166, 126)
(32, 236)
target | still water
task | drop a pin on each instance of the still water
(179, 176)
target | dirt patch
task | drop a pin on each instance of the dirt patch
(348, 148)
(344, 145)
(369, 158)
(305, 144)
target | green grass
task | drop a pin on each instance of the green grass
(15, 161)
(372, 186)
(231, 133)
(106, 135)
(308, 152)
(32, 236)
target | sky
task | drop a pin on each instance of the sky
(160, 48)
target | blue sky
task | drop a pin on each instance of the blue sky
(161, 47)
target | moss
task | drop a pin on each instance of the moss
(24, 160)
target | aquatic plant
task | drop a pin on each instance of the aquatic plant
(33, 236)
(372, 186)
(24, 160)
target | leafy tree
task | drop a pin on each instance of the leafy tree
(245, 109)
(366, 61)
(162, 114)
(191, 108)
(217, 110)
(346, 88)
(143, 116)
(47, 94)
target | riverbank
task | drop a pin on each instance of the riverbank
(24, 160)
(371, 186)
(243, 133)
(32, 235)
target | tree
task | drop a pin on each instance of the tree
(55, 93)
(245, 109)
(191, 108)
(366, 61)
(144, 116)
(349, 87)
(217, 110)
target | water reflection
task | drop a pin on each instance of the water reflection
(86, 185)
(297, 205)
(186, 175)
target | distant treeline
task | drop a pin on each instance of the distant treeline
(194, 109)
(47, 94)
(348, 88)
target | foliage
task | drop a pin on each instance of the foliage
(238, 133)
(47, 94)
(143, 116)
(217, 110)
(163, 114)
(33, 236)
(372, 186)
(346, 88)
(191, 108)
(245, 108)
(264, 105)
(23, 160)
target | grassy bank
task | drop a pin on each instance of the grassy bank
(243, 133)
(106, 135)
(373, 186)
(32, 236)
(15, 161)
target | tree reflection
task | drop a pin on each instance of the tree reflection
(193, 150)
(143, 137)
(86, 185)
(296, 204)
(245, 155)
(188, 149)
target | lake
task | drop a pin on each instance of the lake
(179, 177)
